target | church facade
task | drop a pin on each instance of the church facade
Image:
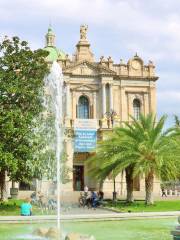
(107, 93)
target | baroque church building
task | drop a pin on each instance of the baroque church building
(107, 93)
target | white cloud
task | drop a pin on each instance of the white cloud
(169, 95)
(168, 103)
(152, 28)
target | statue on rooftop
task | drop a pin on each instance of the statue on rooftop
(83, 32)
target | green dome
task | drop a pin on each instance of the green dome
(54, 54)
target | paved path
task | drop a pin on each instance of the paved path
(92, 215)
(84, 211)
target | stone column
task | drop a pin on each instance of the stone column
(74, 105)
(124, 105)
(111, 96)
(103, 99)
(146, 103)
(68, 110)
(153, 108)
(94, 105)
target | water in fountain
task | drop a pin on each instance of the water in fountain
(54, 88)
(52, 129)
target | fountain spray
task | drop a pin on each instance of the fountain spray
(54, 86)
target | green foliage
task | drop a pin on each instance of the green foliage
(21, 86)
(64, 169)
(45, 143)
(45, 149)
(142, 145)
(139, 206)
(177, 121)
(12, 208)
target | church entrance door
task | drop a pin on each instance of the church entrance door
(78, 178)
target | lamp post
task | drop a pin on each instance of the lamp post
(111, 176)
(114, 190)
(110, 118)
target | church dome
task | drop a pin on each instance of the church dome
(50, 31)
(54, 54)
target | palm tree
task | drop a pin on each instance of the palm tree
(109, 161)
(177, 129)
(143, 147)
(154, 152)
(177, 121)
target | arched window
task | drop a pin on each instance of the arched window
(136, 108)
(83, 107)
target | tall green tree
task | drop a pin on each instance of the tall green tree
(155, 153)
(21, 87)
(177, 129)
(146, 149)
(44, 150)
(177, 121)
(112, 158)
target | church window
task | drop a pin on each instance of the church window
(83, 107)
(136, 108)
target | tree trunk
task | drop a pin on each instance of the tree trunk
(2, 184)
(13, 184)
(101, 185)
(149, 180)
(129, 184)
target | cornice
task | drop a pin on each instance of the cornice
(125, 77)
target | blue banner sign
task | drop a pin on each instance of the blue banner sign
(85, 140)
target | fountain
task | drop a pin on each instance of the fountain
(53, 107)
(176, 232)
(53, 103)
(54, 84)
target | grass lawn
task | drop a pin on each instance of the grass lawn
(139, 206)
(12, 208)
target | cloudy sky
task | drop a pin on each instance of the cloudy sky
(117, 28)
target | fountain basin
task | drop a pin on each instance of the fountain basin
(176, 237)
(176, 234)
(77, 236)
(151, 229)
(50, 233)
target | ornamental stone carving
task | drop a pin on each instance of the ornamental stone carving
(83, 32)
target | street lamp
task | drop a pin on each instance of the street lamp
(114, 190)
(111, 176)
(110, 117)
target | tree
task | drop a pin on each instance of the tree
(109, 161)
(177, 130)
(155, 153)
(21, 87)
(44, 151)
(45, 138)
(177, 121)
(146, 149)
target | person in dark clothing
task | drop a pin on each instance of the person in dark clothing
(163, 192)
(101, 195)
(94, 199)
